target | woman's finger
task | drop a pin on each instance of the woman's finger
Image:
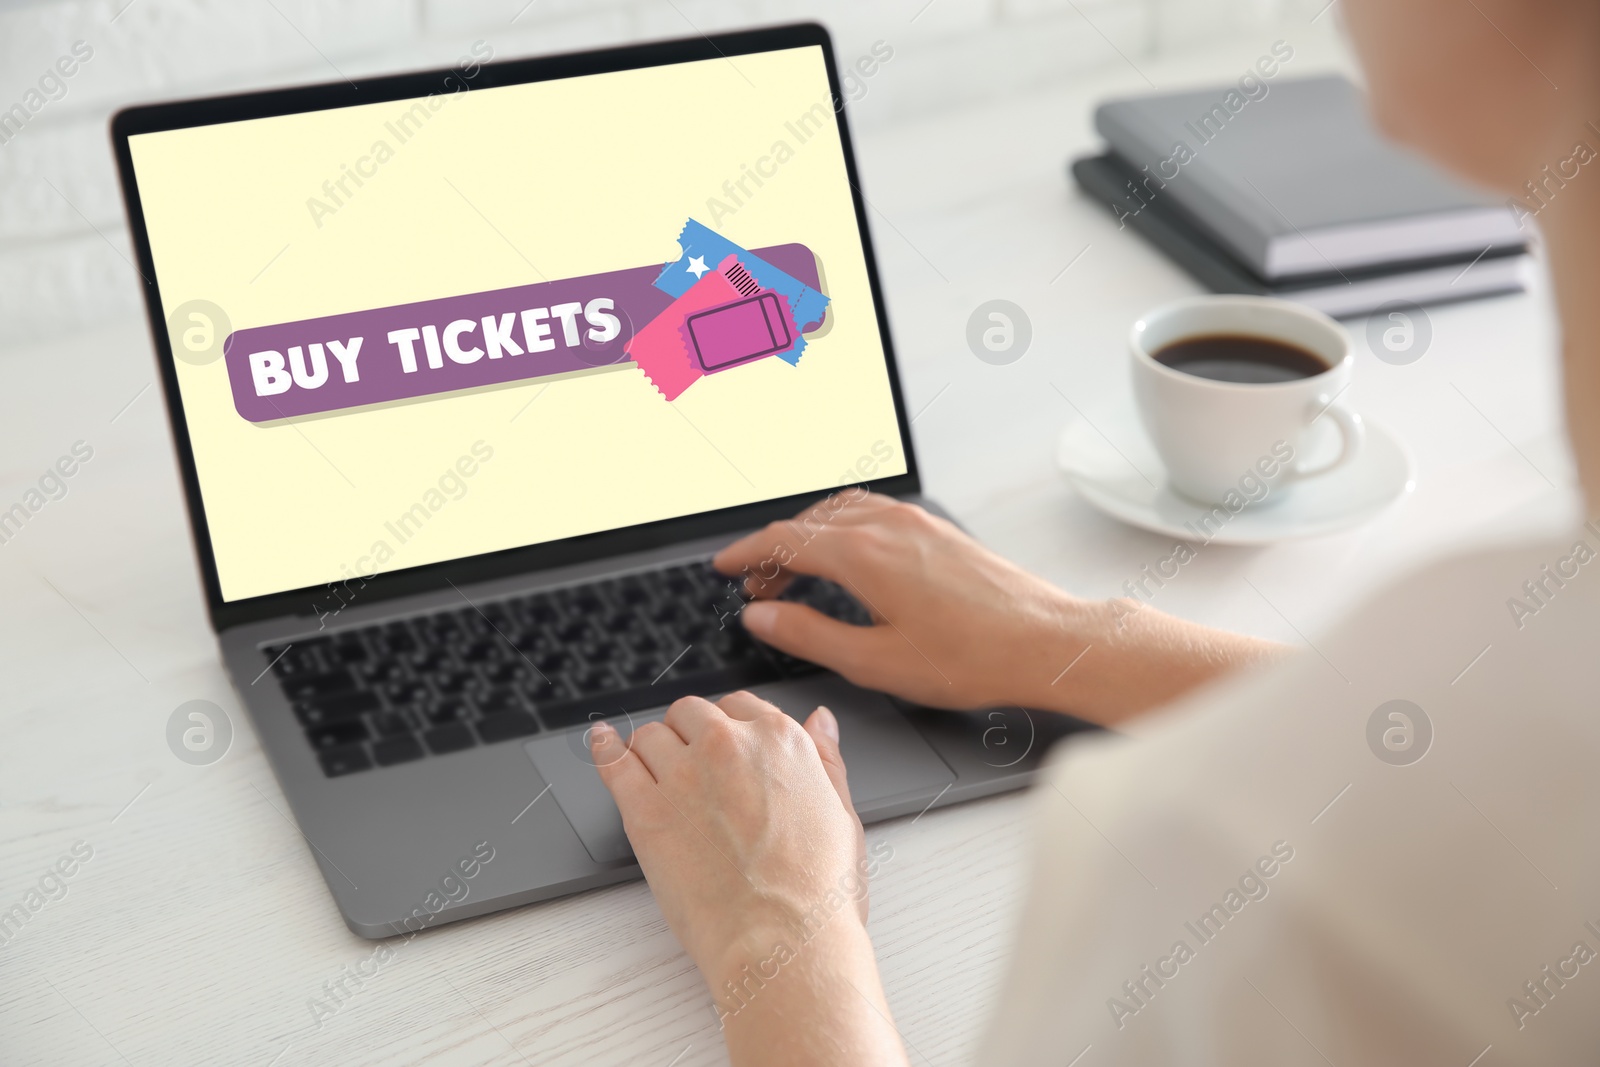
(855, 509)
(803, 631)
(656, 745)
(823, 729)
(623, 773)
(690, 717)
(746, 707)
(789, 546)
(759, 587)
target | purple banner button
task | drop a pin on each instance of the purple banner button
(455, 343)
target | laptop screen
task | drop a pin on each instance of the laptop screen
(421, 330)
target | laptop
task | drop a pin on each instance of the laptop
(469, 374)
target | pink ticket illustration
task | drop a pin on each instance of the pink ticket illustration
(737, 333)
(723, 320)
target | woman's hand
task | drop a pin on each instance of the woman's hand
(958, 626)
(742, 822)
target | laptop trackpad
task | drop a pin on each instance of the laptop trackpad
(886, 756)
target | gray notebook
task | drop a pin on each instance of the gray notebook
(1298, 181)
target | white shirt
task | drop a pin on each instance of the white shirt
(1412, 914)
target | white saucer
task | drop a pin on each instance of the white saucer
(1382, 474)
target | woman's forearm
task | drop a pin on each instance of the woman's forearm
(788, 999)
(1120, 658)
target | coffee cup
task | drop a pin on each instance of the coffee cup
(1229, 388)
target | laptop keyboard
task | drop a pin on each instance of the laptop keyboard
(502, 670)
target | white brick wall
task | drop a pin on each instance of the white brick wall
(63, 246)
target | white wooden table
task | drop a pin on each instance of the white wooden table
(200, 930)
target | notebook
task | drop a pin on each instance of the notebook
(1297, 181)
(1355, 292)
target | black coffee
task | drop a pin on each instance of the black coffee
(1239, 358)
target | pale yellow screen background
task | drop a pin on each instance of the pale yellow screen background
(498, 187)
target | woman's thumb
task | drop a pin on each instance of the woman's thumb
(824, 731)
